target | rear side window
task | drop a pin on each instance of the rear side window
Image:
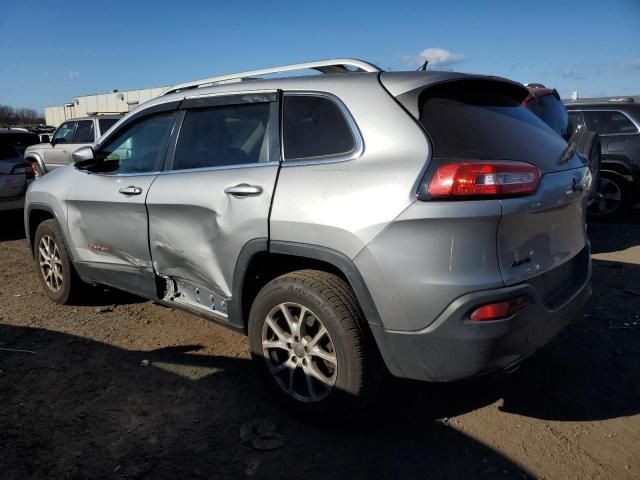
(106, 124)
(224, 136)
(314, 126)
(84, 132)
(481, 120)
(609, 122)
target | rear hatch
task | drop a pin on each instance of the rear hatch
(480, 120)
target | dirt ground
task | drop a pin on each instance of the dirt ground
(84, 406)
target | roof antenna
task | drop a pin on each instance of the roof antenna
(423, 67)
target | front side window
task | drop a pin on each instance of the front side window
(314, 126)
(84, 132)
(224, 136)
(609, 122)
(577, 122)
(64, 134)
(138, 148)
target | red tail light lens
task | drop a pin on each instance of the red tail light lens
(24, 168)
(496, 311)
(493, 179)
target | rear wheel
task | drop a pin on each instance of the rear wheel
(57, 275)
(612, 198)
(308, 336)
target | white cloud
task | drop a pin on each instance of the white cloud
(572, 74)
(631, 64)
(72, 74)
(436, 56)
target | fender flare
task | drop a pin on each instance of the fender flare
(315, 252)
(45, 208)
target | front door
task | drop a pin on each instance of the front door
(107, 217)
(214, 195)
(58, 154)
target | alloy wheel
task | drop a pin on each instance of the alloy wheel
(299, 352)
(607, 198)
(50, 263)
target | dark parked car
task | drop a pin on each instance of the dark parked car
(15, 172)
(617, 122)
(546, 104)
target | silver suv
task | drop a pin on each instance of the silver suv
(71, 135)
(351, 223)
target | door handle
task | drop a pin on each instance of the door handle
(130, 190)
(243, 190)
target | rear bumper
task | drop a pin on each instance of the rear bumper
(453, 347)
(11, 203)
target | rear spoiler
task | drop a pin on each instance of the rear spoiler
(407, 87)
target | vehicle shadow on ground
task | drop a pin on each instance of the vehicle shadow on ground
(614, 236)
(11, 226)
(77, 408)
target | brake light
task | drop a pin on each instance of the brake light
(493, 179)
(24, 168)
(498, 310)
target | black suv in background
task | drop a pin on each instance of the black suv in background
(617, 121)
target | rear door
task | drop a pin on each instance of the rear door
(472, 121)
(618, 134)
(214, 195)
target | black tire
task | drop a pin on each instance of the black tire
(613, 198)
(359, 368)
(70, 285)
(588, 143)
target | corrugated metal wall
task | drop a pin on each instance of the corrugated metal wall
(115, 102)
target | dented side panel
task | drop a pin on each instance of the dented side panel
(196, 230)
(107, 227)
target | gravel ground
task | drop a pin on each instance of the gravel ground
(79, 403)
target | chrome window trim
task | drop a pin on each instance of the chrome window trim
(221, 167)
(358, 149)
(636, 124)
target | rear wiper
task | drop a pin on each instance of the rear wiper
(568, 153)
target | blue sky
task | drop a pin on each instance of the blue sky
(54, 51)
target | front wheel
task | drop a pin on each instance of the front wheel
(57, 275)
(308, 336)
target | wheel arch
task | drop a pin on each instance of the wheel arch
(260, 261)
(36, 214)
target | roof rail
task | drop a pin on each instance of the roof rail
(337, 65)
(622, 100)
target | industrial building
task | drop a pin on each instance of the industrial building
(113, 102)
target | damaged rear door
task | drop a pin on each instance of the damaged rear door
(214, 196)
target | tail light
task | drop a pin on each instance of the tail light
(484, 179)
(498, 310)
(24, 168)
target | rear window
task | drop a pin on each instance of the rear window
(469, 120)
(608, 122)
(106, 124)
(314, 127)
(12, 142)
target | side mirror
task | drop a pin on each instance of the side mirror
(83, 158)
